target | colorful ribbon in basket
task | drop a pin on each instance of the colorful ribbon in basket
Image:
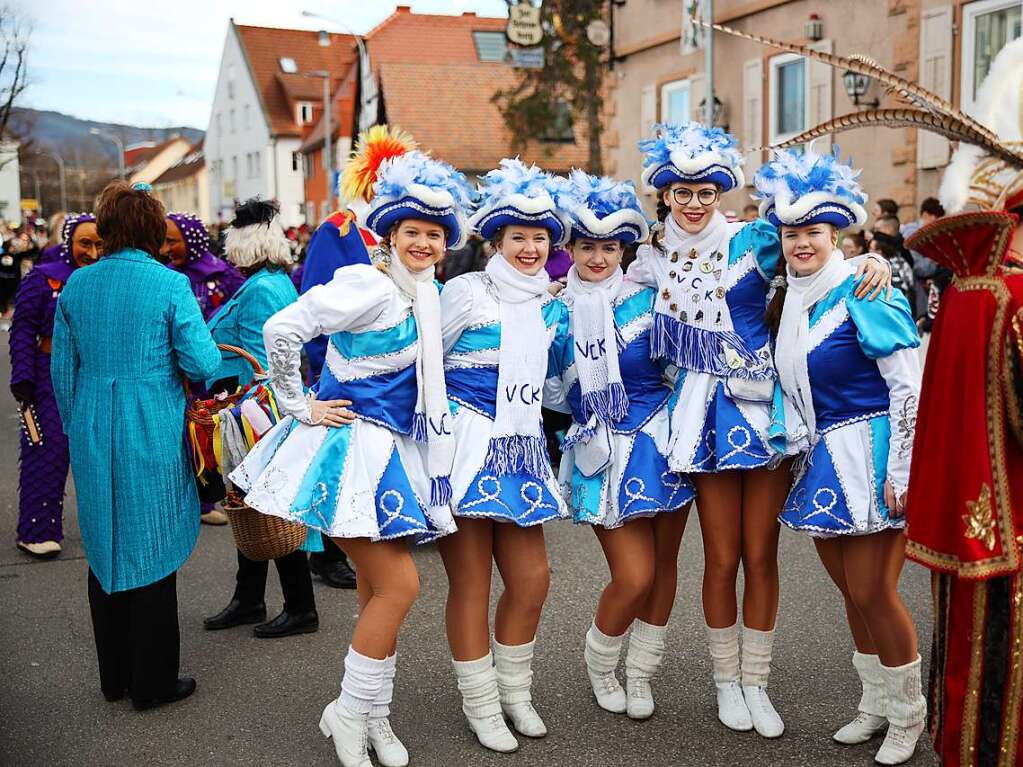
(254, 415)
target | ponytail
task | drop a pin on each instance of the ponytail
(777, 304)
(663, 211)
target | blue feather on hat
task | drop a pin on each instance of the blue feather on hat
(802, 188)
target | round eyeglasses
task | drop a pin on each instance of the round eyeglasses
(683, 196)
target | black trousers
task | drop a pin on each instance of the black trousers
(137, 638)
(330, 553)
(296, 582)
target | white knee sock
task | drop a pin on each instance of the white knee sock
(514, 666)
(477, 681)
(602, 651)
(361, 682)
(724, 652)
(756, 657)
(646, 650)
(382, 705)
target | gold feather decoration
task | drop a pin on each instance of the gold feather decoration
(946, 125)
(904, 89)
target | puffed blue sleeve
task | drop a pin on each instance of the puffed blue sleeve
(761, 238)
(884, 325)
(559, 359)
(558, 352)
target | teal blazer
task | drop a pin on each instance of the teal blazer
(125, 331)
(240, 321)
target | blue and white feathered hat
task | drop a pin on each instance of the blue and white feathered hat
(516, 193)
(691, 153)
(413, 185)
(803, 188)
(601, 208)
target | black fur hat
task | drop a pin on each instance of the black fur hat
(255, 211)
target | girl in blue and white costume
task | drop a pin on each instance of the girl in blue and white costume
(502, 332)
(614, 471)
(851, 368)
(377, 482)
(727, 429)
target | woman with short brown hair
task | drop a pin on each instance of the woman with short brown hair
(125, 331)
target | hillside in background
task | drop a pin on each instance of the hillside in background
(90, 161)
(56, 132)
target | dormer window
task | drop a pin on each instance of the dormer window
(288, 65)
(304, 113)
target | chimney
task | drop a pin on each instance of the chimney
(403, 9)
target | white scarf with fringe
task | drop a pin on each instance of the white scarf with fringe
(517, 442)
(791, 348)
(432, 420)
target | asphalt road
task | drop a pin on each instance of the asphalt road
(258, 701)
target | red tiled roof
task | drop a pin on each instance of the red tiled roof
(459, 123)
(140, 154)
(417, 54)
(265, 46)
(428, 39)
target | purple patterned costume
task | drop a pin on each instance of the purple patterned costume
(213, 280)
(44, 466)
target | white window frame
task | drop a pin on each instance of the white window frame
(301, 108)
(669, 88)
(970, 13)
(774, 64)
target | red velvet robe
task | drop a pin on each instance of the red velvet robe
(965, 501)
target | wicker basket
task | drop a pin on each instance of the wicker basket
(261, 537)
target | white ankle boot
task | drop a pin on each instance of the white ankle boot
(907, 710)
(757, 647)
(646, 652)
(601, 654)
(481, 704)
(733, 712)
(349, 731)
(870, 720)
(514, 666)
(390, 751)
(346, 720)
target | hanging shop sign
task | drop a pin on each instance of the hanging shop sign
(524, 27)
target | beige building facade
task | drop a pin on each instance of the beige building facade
(767, 95)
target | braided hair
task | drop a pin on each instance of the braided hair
(663, 211)
(777, 303)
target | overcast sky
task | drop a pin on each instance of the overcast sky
(154, 63)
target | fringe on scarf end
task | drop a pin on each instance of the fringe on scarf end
(517, 453)
(584, 434)
(609, 405)
(418, 431)
(440, 491)
(697, 349)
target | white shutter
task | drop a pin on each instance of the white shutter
(697, 93)
(819, 87)
(647, 110)
(752, 114)
(936, 76)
